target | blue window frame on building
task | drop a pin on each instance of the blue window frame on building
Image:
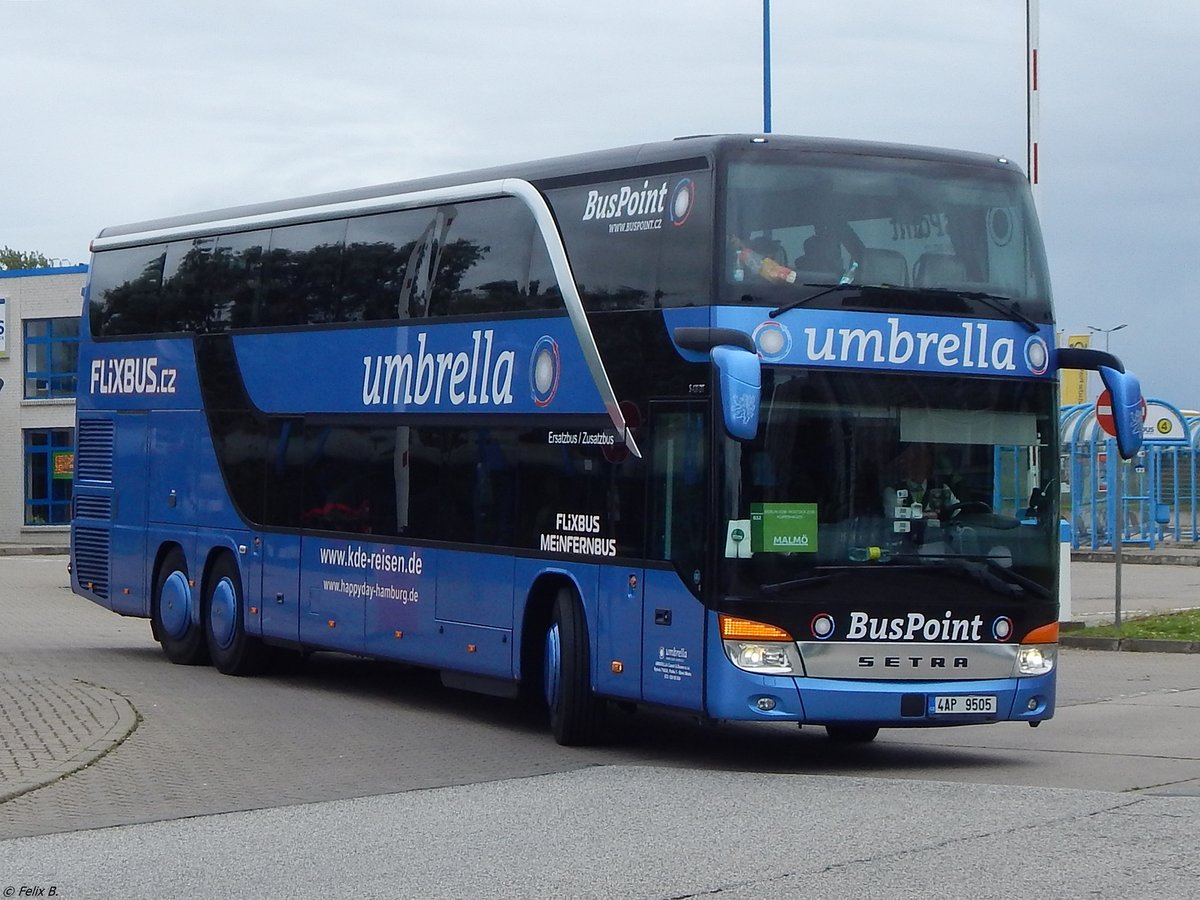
(49, 475)
(51, 358)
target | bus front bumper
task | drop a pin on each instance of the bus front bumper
(735, 695)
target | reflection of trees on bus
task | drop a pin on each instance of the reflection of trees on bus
(131, 307)
(477, 258)
(215, 289)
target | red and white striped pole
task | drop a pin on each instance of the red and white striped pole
(1031, 80)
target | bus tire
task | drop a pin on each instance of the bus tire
(233, 651)
(576, 714)
(852, 734)
(182, 640)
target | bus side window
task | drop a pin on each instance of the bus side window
(485, 260)
(542, 291)
(378, 250)
(284, 482)
(302, 274)
(185, 274)
(124, 291)
(232, 285)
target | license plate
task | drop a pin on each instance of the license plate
(964, 705)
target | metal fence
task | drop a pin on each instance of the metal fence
(1157, 490)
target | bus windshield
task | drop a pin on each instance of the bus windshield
(913, 234)
(897, 472)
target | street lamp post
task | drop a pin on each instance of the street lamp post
(1107, 332)
(766, 66)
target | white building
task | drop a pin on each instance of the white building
(39, 355)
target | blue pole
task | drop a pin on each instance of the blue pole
(766, 66)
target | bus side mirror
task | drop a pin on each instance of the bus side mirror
(1128, 407)
(1123, 387)
(739, 373)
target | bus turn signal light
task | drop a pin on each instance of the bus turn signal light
(1047, 634)
(735, 629)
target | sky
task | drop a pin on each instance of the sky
(128, 110)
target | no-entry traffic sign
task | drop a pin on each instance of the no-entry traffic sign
(1104, 412)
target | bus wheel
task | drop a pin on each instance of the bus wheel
(851, 734)
(171, 613)
(233, 651)
(575, 712)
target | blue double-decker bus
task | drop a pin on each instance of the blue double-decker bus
(750, 427)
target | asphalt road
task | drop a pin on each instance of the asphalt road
(357, 778)
(1145, 589)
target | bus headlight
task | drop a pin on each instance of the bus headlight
(1036, 659)
(758, 647)
(765, 659)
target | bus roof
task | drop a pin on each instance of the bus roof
(696, 150)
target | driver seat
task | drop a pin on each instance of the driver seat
(939, 270)
(883, 267)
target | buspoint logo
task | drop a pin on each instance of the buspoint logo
(773, 340)
(545, 369)
(682, 200)
(1037, 355)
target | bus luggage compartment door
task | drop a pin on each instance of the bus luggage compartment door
(619, 632)
(280, 601)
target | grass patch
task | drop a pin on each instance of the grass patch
(1180, 626)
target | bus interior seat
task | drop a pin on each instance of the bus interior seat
(883, 267)
(939, 270)
(822, 257)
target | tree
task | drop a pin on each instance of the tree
(22, 259)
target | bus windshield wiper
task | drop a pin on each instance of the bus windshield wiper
(988, 572)
(811, 581)
(996, 302)
(1016, 578)
(800, 301)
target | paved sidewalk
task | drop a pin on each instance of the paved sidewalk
(52, 727)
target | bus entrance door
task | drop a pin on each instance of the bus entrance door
(673, 617)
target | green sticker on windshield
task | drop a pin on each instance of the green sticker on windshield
(783, 527)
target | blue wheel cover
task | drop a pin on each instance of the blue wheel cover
(222, 613)
(175, 605)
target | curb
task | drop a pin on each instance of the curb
(33, 550)
(1130, 645)
(1137, 559)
